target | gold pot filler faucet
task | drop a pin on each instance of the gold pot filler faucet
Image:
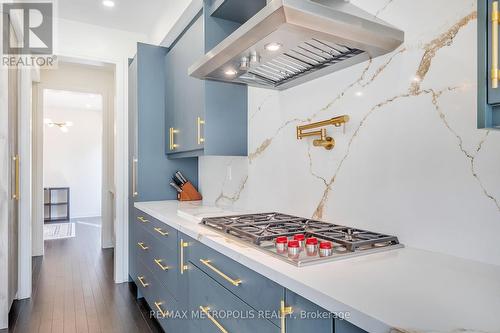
(324, 141)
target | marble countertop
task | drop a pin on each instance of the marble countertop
(399, 290)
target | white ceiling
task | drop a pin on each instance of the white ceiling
(128, 15)
(62, 99)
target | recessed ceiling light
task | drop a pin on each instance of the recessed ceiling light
(230, 72)
(108, 3)
(273, 47)
(359, 93)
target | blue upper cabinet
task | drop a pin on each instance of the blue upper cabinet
(149, 169)
(488, 50)
(203, 117)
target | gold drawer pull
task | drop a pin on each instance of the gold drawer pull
(160, 310)
(15, 194)
(172, 144)
(142, 219)
(161, 232)
(159, 263)
(134, 177)
(207, 263)
(206, 310)
(141, 280)
(494, 44)
(183, 267)
(284, 311)
(200, 122)
(142, 246)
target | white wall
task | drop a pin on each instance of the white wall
(411, 162)
(74, 159)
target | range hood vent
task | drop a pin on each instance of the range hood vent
(290, 42)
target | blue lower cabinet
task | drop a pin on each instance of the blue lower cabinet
(163, 305)
(343, 326)
(304, 316)
(164, 265)
(309, 317)
(219, 310)
(254, 289)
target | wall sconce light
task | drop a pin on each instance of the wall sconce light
(324, 141)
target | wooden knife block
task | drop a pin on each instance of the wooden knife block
(189, 193)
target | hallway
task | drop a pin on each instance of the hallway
(73, 290)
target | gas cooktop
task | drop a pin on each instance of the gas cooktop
(301, 241)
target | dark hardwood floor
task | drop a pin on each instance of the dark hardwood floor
(73, 291)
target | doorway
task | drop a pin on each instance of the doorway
(73, 160)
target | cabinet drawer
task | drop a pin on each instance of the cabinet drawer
(143, 278)
(298, 322)
(142, 244)
(219, 309)
(159, 300)
(158, 229)
(254, 289)
(164, 263)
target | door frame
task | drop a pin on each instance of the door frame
(107, 158)
(119, 212)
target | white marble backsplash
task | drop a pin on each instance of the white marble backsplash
(411, 161)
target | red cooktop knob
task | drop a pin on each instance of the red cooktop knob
(282, 240)
(293, 243)
(325, 245)
(312, 241)
(299, 237)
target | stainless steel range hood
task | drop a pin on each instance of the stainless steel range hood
(290, 42)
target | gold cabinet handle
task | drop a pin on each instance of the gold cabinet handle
(183, 267)
(142, 219)
(15, 193)
(494, 45)
(172, 132)
(134, 177)
(284, 311)
(161, 232)
(160, 310)
(205, 310)
(159, 263)
(207, 263)
(200, 122)
(142, 246)
(141, 280)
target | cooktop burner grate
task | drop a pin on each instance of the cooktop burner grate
(262, 230)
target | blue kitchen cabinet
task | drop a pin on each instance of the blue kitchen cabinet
(149, 169)
(203, 117)
(488, 97)
(220, 310)
(301, 319)
(309, 317)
